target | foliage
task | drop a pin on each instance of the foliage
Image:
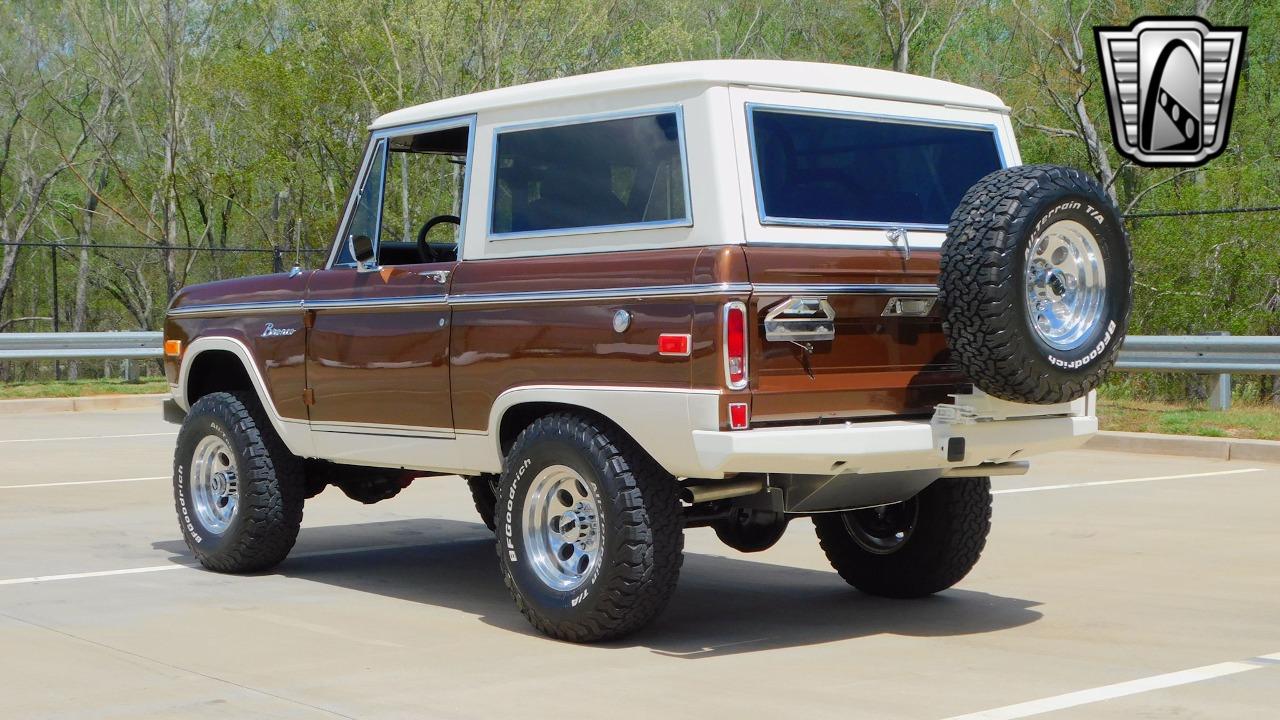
(235, 124)
(81, 388)
(1254, 421)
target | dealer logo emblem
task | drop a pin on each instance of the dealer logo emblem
(1170, 85)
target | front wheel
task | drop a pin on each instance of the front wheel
(913, 548)
(237, 489)
(589, 529)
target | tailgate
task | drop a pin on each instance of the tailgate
(886, 358)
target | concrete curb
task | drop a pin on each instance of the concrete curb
(93, 403)
(1187, 445)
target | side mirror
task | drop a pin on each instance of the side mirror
(361, 249)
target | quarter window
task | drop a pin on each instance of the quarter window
(571, 177)
(844, 170)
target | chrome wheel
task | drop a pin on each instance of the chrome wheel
(561, 528)
(1066, 284)
(214, 484)
(882, 530)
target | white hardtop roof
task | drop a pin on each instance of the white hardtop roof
(791, 75)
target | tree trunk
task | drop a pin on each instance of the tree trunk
(80, 313)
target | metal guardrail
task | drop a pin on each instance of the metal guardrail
(1201, 354)
(1217, 355)
(81, 346)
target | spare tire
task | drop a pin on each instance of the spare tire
(1036, 283)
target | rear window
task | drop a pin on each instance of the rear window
(597, 174)
(846, 170)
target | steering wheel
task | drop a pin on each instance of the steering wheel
(425, 251)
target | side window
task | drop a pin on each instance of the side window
(422, 207)
(845, 169)
(625, 171)
(411, 199)
(364, 216)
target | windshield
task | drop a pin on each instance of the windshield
(849, 170)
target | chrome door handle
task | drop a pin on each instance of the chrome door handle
(440, 276)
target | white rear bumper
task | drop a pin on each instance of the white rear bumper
(889, 446)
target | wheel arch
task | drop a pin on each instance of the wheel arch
(221, 363)
(659, 420)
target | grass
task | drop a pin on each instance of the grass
(1260, 422)
(81, 388)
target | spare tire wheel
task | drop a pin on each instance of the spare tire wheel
(1036, 283)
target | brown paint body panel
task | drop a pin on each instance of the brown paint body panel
(373, 364)
(280, 359)
(422, 362)
(504, 345)
(875, 366)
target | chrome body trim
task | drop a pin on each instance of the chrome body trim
(686, 221)
(625, 293)
(854, 289)
(555, 296)
(766, 219)
(379, 303)
(235, 308)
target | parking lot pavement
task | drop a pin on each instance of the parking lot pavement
(1113, 586)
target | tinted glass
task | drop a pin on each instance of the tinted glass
(364, 217)
(853, 170)
(611, 172)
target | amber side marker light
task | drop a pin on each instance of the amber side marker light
(172, 348)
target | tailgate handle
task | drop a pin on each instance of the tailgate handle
(801, 319)
(909, 306)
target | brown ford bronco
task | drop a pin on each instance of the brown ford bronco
(724, 294)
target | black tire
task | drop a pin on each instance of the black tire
(988, 319)
(271, 481)
(638, 522)
(950, 520)
(484, 497)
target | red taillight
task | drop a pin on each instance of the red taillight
(739, 417)
(735, 345)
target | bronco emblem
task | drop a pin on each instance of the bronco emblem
(272, 331)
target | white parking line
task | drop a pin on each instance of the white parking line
(81, 482)
(87, 437)
(1098, 483)
(189, 566)
(1110, 692)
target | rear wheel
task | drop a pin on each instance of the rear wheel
(589, 530)
(913, 548)
(237, 489)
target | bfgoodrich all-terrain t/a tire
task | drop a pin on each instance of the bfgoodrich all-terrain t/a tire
(589, 530)
(237, 489)
(1036, 283)
(913, 548)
